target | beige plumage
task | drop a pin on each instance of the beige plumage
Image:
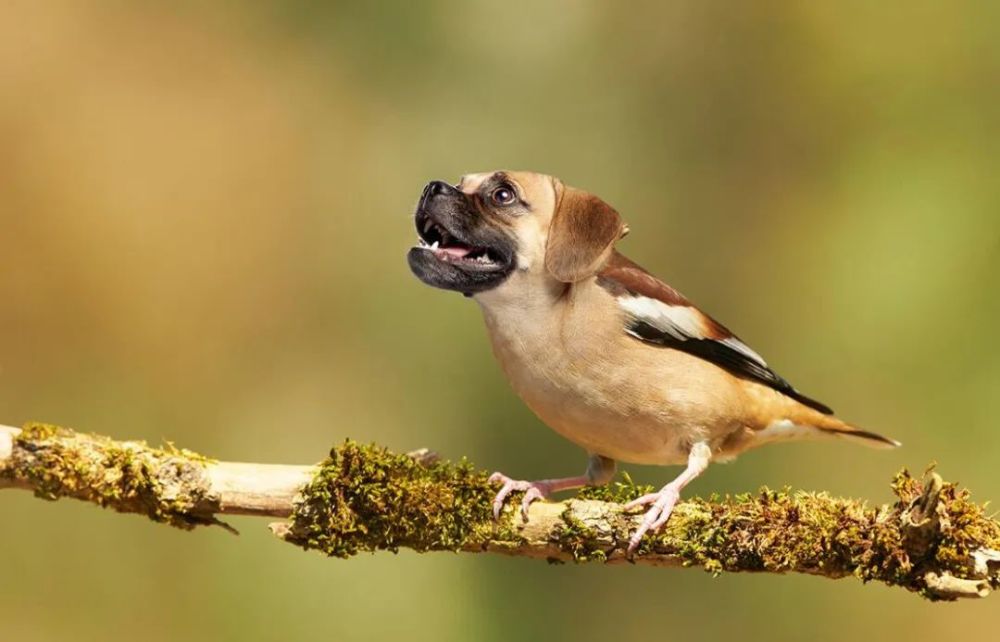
(607, 355)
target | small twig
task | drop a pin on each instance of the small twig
(933, 540)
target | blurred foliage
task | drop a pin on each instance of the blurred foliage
(205, 210)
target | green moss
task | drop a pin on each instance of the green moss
(168, 486)
(773, 531)
(171, 449)
(365, 498)
(37, 431)
(584, 543)
(779, 531)
(618, 492)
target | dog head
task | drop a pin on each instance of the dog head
(475, 236)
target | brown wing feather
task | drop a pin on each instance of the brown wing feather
(678, 324)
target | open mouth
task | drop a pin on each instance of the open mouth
(447, 247)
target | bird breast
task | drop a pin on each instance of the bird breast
(575, 367)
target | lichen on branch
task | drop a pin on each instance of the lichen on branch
(168, 485)
(932, 539)
(365, 498)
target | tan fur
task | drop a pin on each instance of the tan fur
(581, 235)
(564, 350)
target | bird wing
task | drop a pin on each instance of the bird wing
(659, 315)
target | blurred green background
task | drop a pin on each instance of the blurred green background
(205, 211)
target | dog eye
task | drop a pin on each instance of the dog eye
(503, 195)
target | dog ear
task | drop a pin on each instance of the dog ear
(582, 234)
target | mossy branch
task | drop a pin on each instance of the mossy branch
(933, 539)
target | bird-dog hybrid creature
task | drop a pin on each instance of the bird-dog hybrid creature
(606, 354)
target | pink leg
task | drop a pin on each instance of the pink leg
(599, 472)
(663, 502)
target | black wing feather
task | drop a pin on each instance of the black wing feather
(683, 327)
(725, 357)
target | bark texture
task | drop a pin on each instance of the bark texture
(933, 539)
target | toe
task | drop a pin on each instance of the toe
(532, 491)
(503, 493)
(633, 543)
(660, 521)
(666, 506)
(532, 494)
(500, 498)
(654, 519)
(642, 501)
(649, 521)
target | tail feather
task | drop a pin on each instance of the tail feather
(866, 438)
(844, 430)
(783, 417)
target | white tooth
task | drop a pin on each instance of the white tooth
(434, 245)
(428, 225)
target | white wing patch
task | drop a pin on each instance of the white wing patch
(682, 322)
(743, 348)
(679, 321)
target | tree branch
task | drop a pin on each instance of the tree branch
(932, 540)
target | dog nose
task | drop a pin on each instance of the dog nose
(438, 188)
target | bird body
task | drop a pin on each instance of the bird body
(603, 352)
(569, 358)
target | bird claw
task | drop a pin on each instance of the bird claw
(533, 491)
(663, 504)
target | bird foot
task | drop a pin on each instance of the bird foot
(532, 491)
(663, 504)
